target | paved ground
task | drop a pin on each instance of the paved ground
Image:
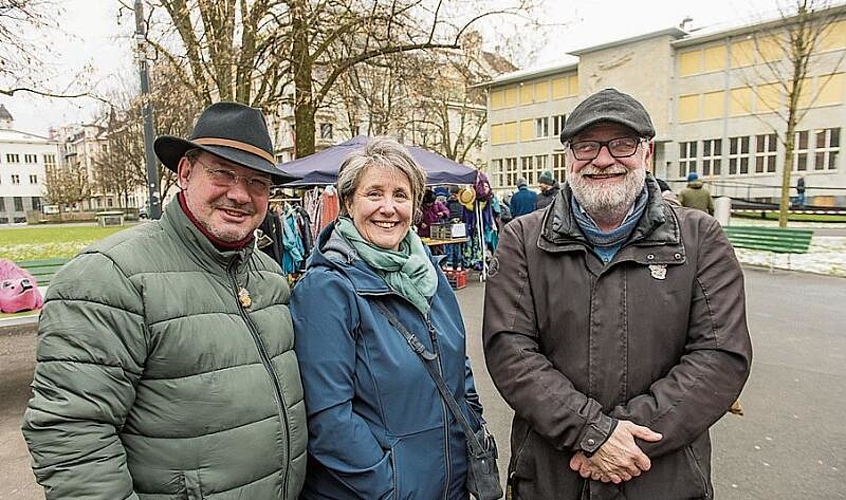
(789, 445)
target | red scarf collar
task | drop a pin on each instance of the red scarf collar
(217, 242)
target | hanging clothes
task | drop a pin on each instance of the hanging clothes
(313, 205)
(331, 206)
(293, 253)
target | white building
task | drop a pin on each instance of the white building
(23, 161)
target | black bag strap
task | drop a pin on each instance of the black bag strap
(428, 359)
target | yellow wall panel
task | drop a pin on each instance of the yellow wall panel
(497, 99)
(511, 97)
(742, 53)
(769, 48)
(834, 37)
(690, 63)
(831, 89)
(497, 133)
(769, 97)
(527, 93)
(510, 132)
(689, 108)
(806, 94)
(715, 58)
(712, 105)
(527, 130)
(573, 85)
(740, 101)
(542, 91)
(559, 88)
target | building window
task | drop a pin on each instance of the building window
(49, 160)
(31, 159)
(738, 155)
(542, 127)
(33, 179)
(13, 158)
(16, 179)
(765, 153)
(325, 130)
(559, 168)
(497, 175)
(558, 122)
(2, 204)
(19, 204)
(527, 169)
(540, 163)
(827, 149)
(36, 203)
(800, 151)
(712, 152)
(511, 171)
(687, 158)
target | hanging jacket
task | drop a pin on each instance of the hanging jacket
(657, 336)
(378, 427)
(154, 381)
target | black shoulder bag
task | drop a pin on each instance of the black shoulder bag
(482, 472)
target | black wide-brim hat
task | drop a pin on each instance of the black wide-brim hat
(232, 131)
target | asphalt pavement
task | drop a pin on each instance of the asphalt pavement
(788, 445)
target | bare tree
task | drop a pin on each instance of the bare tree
(116, 167)
(66, 185)
(262, 51)
(789, 54)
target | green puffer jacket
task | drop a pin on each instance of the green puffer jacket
(154, 383)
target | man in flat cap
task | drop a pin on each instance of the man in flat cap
(165, 352)
(614, 325)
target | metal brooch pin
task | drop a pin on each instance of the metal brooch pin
(244, 297)
(658, 271)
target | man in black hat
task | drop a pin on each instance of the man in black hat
(614, 324)
(165, 356)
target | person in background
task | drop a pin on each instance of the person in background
(800, 191)
(166, 366)
(549, 189)
(432, 212)
(523, 200)
(667, 192)
(696, 195)
(378, 427)
(614, 325)
(456, 209)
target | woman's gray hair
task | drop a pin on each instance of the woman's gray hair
(384, 152)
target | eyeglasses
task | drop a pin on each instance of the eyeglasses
(621, 147)
(224, 177)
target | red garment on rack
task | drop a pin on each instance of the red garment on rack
(331, 206)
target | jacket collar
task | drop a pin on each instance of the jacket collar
(176, 221)
(657, 227)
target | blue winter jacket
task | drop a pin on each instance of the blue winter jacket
(378, 428)
(523, 201)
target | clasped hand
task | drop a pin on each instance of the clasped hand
(619, 458)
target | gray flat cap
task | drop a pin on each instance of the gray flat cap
(608, 105)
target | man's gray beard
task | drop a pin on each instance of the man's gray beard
(607, 204)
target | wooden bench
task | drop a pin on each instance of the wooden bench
(42, 270)
(772, 239)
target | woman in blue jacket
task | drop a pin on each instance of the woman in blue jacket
(378, 427)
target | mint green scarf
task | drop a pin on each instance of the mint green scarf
(408, 271)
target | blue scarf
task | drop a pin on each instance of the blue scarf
(606, 245)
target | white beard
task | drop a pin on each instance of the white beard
(607, 204)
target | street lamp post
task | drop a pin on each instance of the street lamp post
(155, 210)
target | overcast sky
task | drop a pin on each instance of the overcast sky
(94, 37)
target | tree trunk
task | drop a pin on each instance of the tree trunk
(304, 106)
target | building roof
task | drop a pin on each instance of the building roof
(527, 74)
(672, 32)
(15, 136)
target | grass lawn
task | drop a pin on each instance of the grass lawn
(49, 241)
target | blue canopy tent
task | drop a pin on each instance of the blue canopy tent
(321, 168)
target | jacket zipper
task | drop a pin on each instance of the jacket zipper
(265, 361)
(433, 335)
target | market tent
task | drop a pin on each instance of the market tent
(322, 168)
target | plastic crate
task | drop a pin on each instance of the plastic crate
(457, 278)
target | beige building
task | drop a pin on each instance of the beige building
(718, 107)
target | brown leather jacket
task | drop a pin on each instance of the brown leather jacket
(657, 336)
